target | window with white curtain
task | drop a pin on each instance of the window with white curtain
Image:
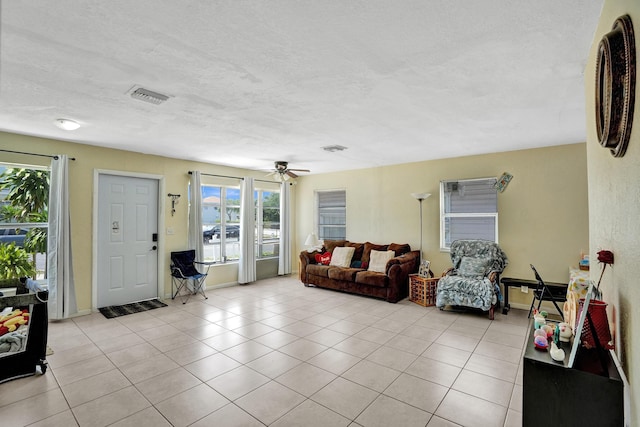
(331, 214)
(221, 222)
(24, 198)
(267, 202)
(468, 210)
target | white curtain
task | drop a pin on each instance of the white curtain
(62, 292)
(284, 261)
(195, 215)
(247, 265)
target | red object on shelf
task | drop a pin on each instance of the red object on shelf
(598, 312)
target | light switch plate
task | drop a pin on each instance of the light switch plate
(524, 289)
(170, 231)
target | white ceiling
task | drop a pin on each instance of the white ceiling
(255, 81)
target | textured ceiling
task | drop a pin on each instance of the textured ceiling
(253, 81)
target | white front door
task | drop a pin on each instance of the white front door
(127, 264)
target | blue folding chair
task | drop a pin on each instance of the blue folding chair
(184, 271)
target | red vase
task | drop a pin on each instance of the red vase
(598, 312)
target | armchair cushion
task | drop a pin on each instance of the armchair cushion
(473, 267)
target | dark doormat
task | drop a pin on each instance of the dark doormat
(135, 307)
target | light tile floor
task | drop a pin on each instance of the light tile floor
(277, 353)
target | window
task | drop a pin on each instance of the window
(24, 197)
(221, 223)
(468, 210)
(332, 214)
(267, 223)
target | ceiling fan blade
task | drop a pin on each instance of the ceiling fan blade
(291, 174)
(300, 170)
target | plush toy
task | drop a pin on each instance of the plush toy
(10, 322)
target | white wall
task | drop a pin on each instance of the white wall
(543, 213)
(614, 206)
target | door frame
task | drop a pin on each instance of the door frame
(94, 234)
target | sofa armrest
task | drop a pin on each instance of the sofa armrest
(409, 258)
(306, 258)
(398, 270)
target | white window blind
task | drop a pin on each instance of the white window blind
(468, 210)
(332, 214)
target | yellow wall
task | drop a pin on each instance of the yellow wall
(543, 213)
(81, 172)
(614, 195)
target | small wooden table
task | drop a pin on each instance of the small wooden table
(507, 282)
(422, 290)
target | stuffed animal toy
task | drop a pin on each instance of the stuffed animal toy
(10, 322)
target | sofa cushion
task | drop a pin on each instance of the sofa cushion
(368, 247)
(399, 249)
(340, 273)
(378, 260)
(318, 270)
(341, 256)
(357, 254)
(329, 245)
(372, 278)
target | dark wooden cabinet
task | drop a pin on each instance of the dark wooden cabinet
(554, 394)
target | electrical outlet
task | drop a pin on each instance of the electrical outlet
(524, 289)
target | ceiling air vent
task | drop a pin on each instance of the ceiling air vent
(147, 95)
(334, 148)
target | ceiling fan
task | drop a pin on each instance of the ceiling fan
(283, 173)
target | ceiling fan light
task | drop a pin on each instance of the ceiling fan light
(67, 124)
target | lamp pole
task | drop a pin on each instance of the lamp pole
(420, 197)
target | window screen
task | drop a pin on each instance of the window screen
(332, 214)
(468, 210)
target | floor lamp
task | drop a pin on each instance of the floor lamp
(420, 197)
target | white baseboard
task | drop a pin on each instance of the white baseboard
(210, 288)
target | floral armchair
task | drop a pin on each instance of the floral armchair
(473, 281)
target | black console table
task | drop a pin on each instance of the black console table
(507, 282)
(554, 394)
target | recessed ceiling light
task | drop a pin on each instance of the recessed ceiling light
(67, 124)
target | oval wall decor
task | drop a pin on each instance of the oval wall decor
(615, 86)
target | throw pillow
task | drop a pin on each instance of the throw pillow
(473, 267)
(341, 256)
(378, 260)
(356, 264)
(368, 247)
(323, 258)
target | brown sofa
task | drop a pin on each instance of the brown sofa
(392, 286)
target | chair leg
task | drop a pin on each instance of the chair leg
(533, 301)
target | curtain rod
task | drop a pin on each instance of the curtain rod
(220, 176)
(55, 157)
(234, 177)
